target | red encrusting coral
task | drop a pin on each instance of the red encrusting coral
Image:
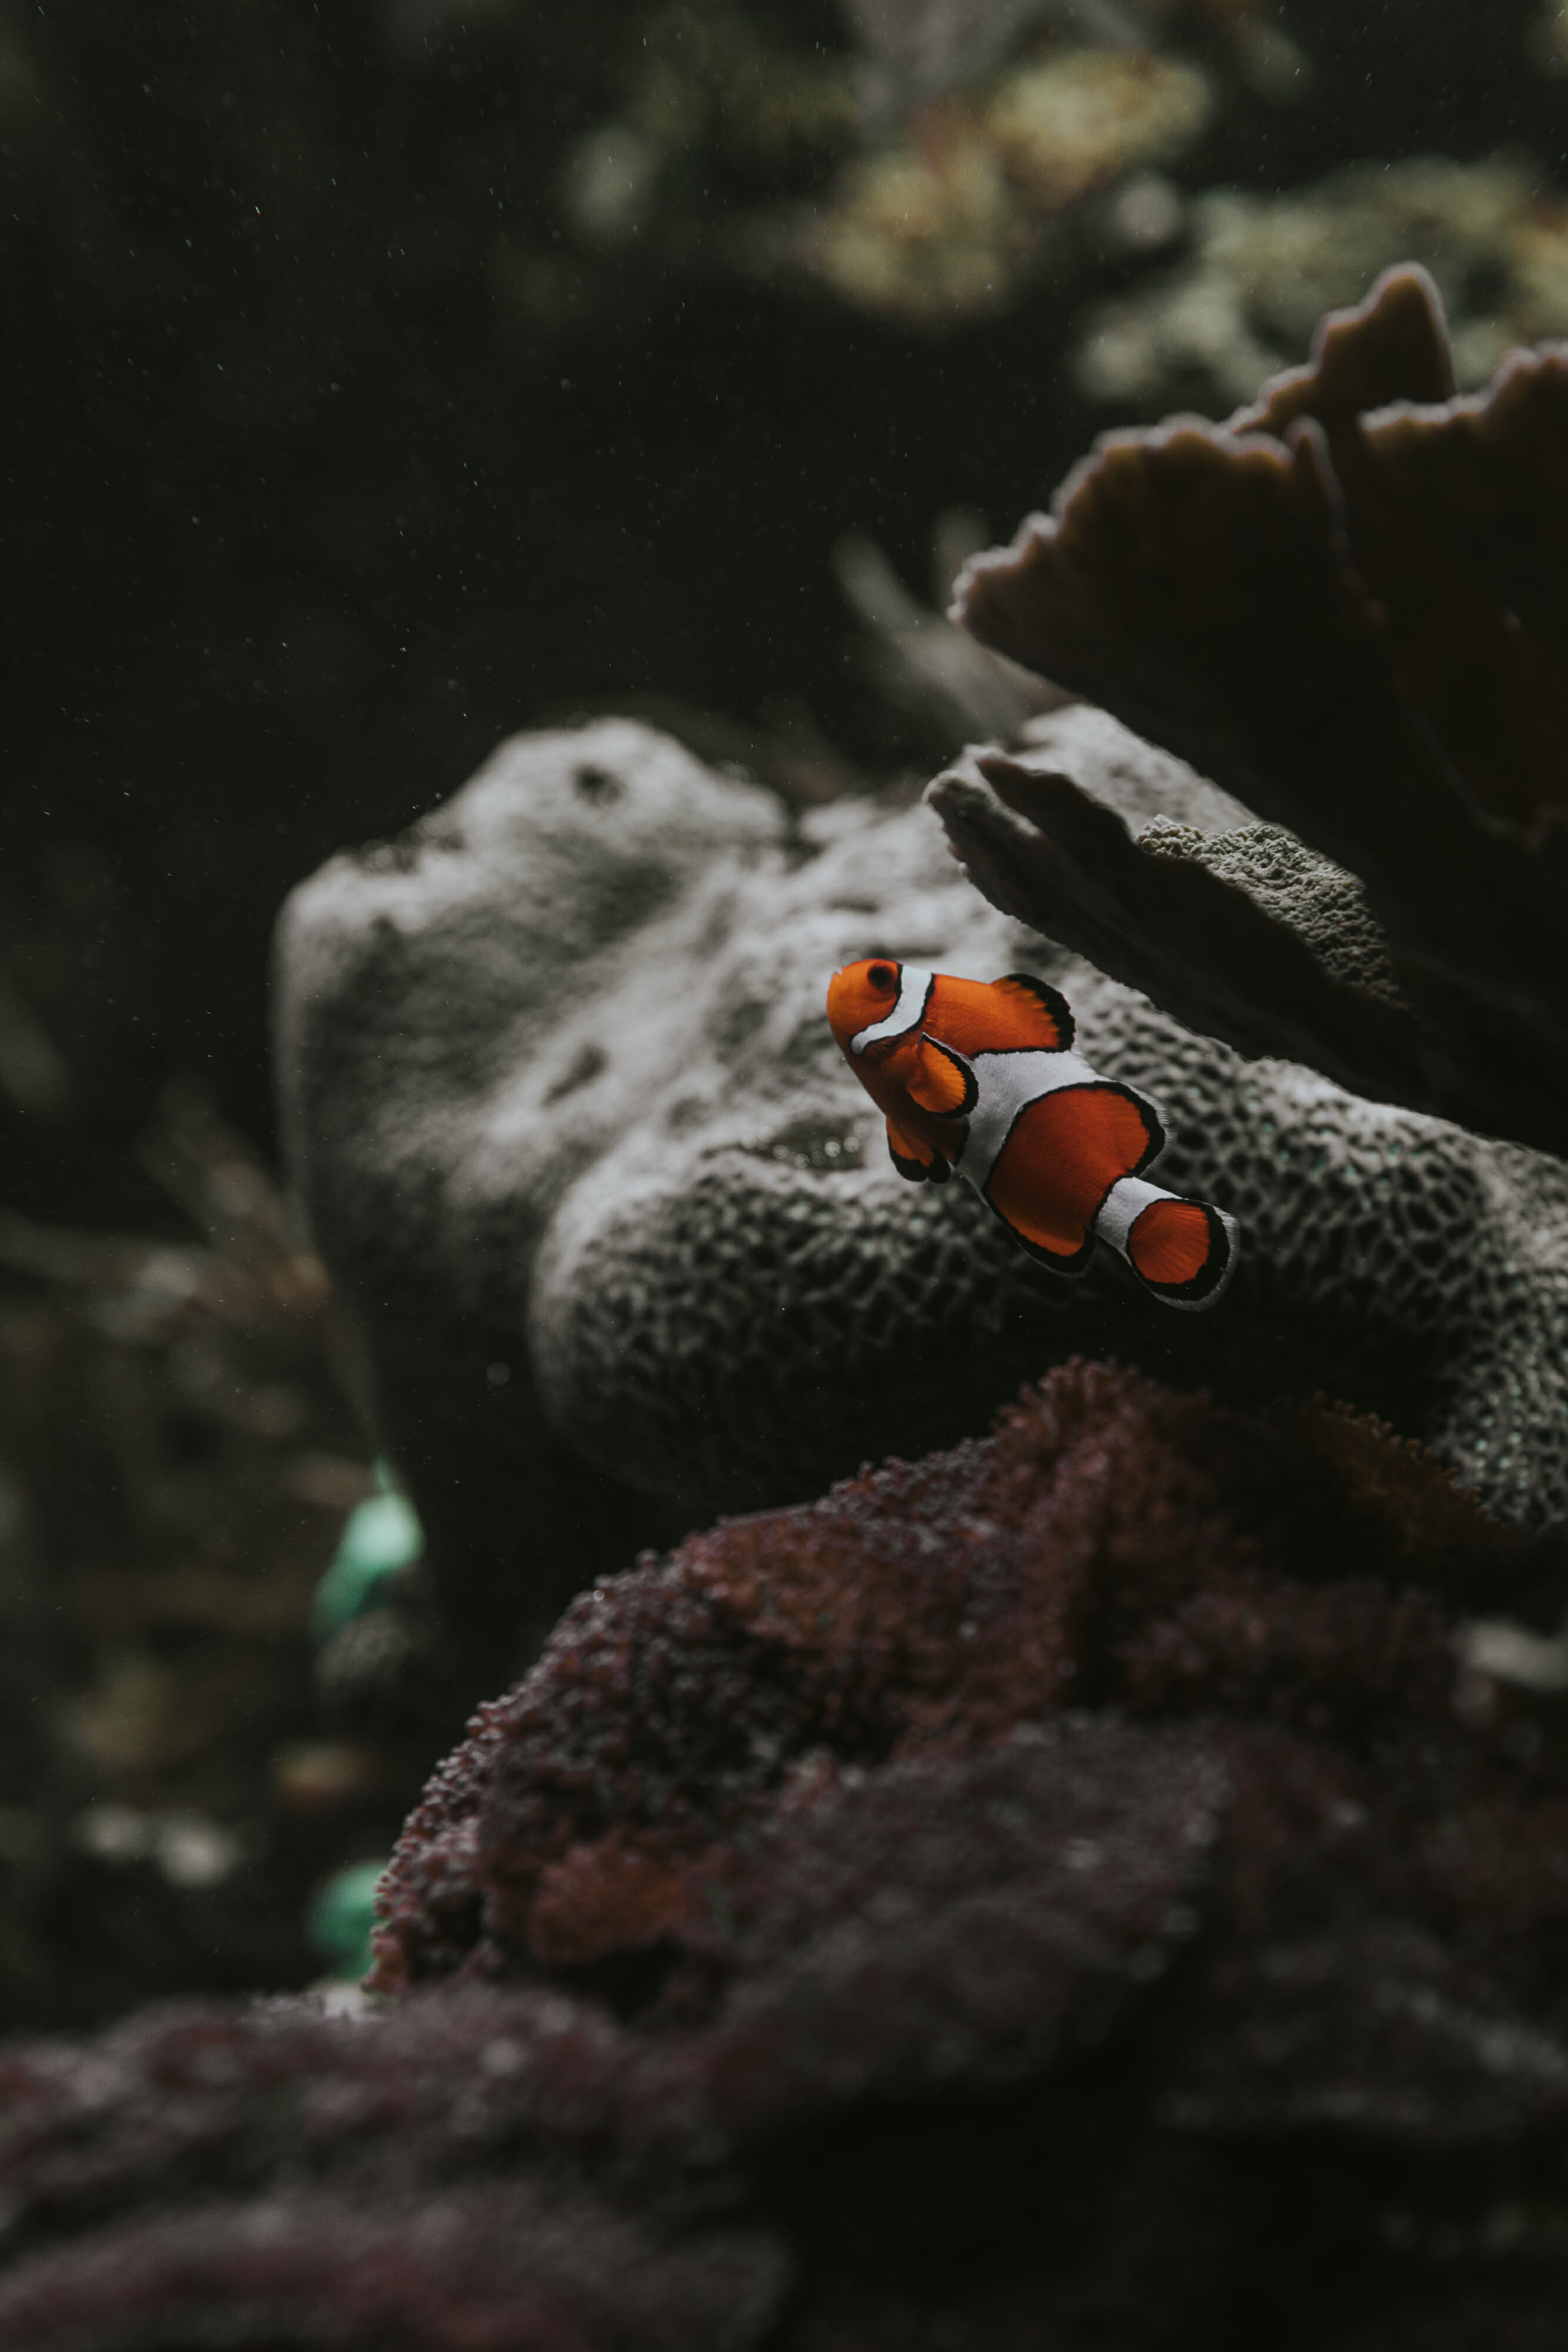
(504, 2269)
(1066, 1891)
(1113, 1543)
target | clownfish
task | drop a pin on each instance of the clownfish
(980, 1076)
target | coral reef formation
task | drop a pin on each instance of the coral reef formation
(914, 53)
(1343, 607)
(621, 1234)
(948, 224)
(1112, 1543)
(1102, 1886)
(1260, 271)
(1070, 1890)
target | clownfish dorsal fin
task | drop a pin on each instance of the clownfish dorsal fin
(916, 1163)
(1046, 1015)
(941, 1081)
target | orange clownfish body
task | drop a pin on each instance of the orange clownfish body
(980, 1076)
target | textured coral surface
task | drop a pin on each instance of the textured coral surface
(1113, 1544)
(1060, 1894)
(1345, 607)
(621, 1226)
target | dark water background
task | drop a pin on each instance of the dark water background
(303, 513)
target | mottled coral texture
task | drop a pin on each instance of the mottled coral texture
(1114, 1545)
(563, 1103)
(1346, 607)
(617, 1223)
(1058, 1894)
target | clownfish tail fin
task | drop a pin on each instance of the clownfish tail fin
(915, 1161)
(1184, 1252)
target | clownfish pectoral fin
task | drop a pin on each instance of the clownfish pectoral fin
(915, 1161)
(1045, 1013)
(1184, 1252)
(943, 1082)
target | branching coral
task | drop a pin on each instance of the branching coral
(1344, 606)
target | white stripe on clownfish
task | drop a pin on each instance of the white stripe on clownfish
(1008, 1083)
(914, 988)
(1126, 1202)
(987, 1076)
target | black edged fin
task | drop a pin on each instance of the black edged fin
(1208, 1285)
(915, 1161)
(1052, 1001)
(942, 1084)
(1153, 1129)
(1073, 1268)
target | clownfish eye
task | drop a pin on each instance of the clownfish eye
(882, 977)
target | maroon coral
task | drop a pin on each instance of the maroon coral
(496, 2271)
(1112, 1543)
(1060, 1892)
(1345, 607)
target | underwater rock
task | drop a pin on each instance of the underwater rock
(451, 1067)
(1325, 906)
(1093, 1824)
(578, 1146)
(620, 1232)
(1343, 606)
(1251, 938)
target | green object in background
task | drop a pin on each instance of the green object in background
(381, 1535)
(339, 1921)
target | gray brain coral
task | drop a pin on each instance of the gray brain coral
(619, 1227)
